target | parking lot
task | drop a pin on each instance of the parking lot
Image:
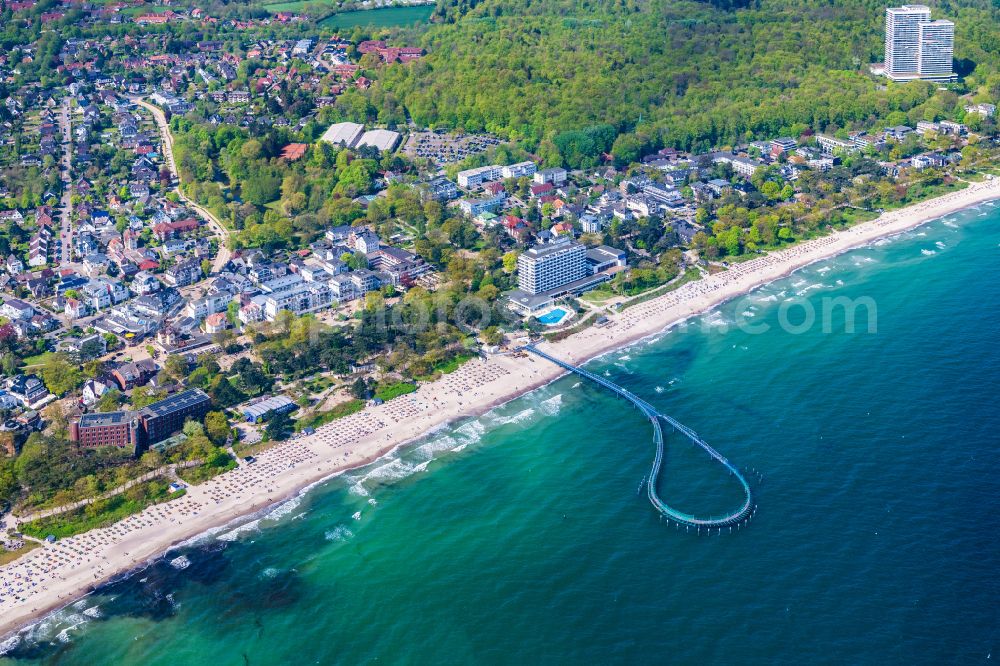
(444, 147)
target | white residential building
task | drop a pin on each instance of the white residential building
(308, 297)
(476, 177)
(364, 241)
(474, 207)
(987, 110)
(741, 165)
(555, 176)
(200, 308)
(519, 170)
(17, 310)
(831, 144)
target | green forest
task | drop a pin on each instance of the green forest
(571, 80)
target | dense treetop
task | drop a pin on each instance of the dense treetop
(662, 72)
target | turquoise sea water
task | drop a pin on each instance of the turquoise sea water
(519, 537)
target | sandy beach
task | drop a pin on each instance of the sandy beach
(56, 574)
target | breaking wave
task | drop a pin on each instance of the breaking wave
(522, 415)
(246, 528)
(551, 405)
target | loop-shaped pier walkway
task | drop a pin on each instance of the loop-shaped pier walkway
(732, 519)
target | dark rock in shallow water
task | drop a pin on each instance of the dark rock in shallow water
(283, 589)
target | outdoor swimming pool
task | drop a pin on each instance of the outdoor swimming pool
(553, 317)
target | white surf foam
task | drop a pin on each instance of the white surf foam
(442, 443)
(551, 405)
(9, 645)
(469, 432)
(180, 563)
(522, 415)
(246, 528)
(284, 509)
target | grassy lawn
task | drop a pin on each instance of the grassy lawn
(690, 275)
(316, 419)
(917, 192)
(210, 470)
(390, 391)
(299, 5)
(453, 364)
(318, 384)
(243, 450)
(8, 556)
(857, 215)
(598, 296)
(37, 360)
(143, 9)
(446, 367)
(101, 513)
(385, 17)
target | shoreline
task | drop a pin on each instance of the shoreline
(74, 567)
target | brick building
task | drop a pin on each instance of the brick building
(137, 430)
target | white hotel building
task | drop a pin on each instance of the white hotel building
(547, 267)
(917, 47)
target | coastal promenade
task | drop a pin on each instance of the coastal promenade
(56, 574)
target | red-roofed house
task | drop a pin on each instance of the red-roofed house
(294, 151)
(346, 70)
(165, 230)
(562, 229)
(371, 46)
(409, 53)
(155, 19)
(515, 226)
(541, 189)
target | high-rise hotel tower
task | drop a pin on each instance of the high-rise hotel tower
(917, 47)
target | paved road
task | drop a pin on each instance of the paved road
(222, 258)
(66, 171)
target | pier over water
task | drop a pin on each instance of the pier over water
(732, 519)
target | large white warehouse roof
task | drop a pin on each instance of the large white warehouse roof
(380, 138)
(345, 134)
